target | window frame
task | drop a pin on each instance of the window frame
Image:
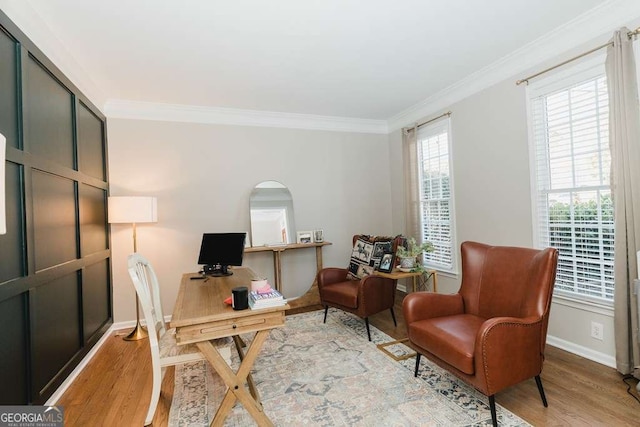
(584, 70)
(438, 124)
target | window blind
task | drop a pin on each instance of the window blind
(574, 209)
(436, 193)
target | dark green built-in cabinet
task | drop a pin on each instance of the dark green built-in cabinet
(55, 284)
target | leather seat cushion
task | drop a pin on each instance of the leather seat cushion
(450, 338)
(342, 293)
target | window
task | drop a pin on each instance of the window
(572, 196)
(435, 193)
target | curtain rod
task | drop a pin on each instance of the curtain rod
(448, 113)
(630, 34)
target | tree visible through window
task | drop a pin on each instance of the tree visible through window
(574, 209)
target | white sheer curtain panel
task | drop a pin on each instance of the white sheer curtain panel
(624, 142)
(411, 184)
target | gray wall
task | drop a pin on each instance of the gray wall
(203, 175)
(493, 200)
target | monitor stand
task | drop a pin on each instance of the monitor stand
(216, 270)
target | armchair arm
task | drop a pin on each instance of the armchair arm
(327, 276)
(427, 305)
(508, 350)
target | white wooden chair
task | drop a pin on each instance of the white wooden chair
(162, 341)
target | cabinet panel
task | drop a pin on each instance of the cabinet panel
(93, 218)
(57, 229)
(90, 144)
(48, 116)
(95, 297)
(55, 328)
(9, 93)
(11, 244)
(13, 351)
(54, 218)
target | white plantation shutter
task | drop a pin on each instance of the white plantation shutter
(436, 213)
(572, 197)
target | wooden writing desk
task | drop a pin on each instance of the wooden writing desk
(201, 315)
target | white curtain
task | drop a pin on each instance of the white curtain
(411, 184)
(624, 142)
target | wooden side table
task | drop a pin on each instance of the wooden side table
(419, 278)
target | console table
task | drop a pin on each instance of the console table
(277, 251)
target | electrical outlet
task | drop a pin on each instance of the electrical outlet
(597, 331)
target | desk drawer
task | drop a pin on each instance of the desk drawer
(229, 327)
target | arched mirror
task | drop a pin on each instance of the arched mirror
(271, 212)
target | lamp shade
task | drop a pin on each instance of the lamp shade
(132, 209)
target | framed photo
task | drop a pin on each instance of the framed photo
(304, 237)
(386, 262)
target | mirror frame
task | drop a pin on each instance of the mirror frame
(272, 199)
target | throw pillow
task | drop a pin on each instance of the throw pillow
(366, 255)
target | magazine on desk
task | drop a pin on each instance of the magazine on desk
(272, 298)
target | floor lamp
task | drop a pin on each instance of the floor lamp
(133, 210)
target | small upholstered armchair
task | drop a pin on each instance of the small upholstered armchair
(492, 333)
(361, 296)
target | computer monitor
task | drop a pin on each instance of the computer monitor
(220, 250)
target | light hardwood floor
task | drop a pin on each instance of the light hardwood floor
(114, 388)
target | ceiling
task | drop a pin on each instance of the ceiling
(344, 58)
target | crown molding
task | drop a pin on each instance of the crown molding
(139, 110)
(25, 17)
(599, 22)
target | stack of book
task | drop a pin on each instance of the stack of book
(272, 298)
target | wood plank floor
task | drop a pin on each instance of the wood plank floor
(114, 389)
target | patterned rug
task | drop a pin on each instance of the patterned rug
(315, 374)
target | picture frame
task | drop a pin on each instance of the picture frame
(304, 237)
(387, 262)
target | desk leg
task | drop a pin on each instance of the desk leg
(235, 382)
(252, 386)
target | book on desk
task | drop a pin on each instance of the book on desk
(273, 298)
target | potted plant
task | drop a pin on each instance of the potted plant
(408, 254)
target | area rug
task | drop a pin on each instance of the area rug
(315, 374)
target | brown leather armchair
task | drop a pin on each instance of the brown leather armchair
(363, 297)
(492, 333)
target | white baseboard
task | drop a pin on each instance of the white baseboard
(129, 324)
(585, 352)
(83, 363)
